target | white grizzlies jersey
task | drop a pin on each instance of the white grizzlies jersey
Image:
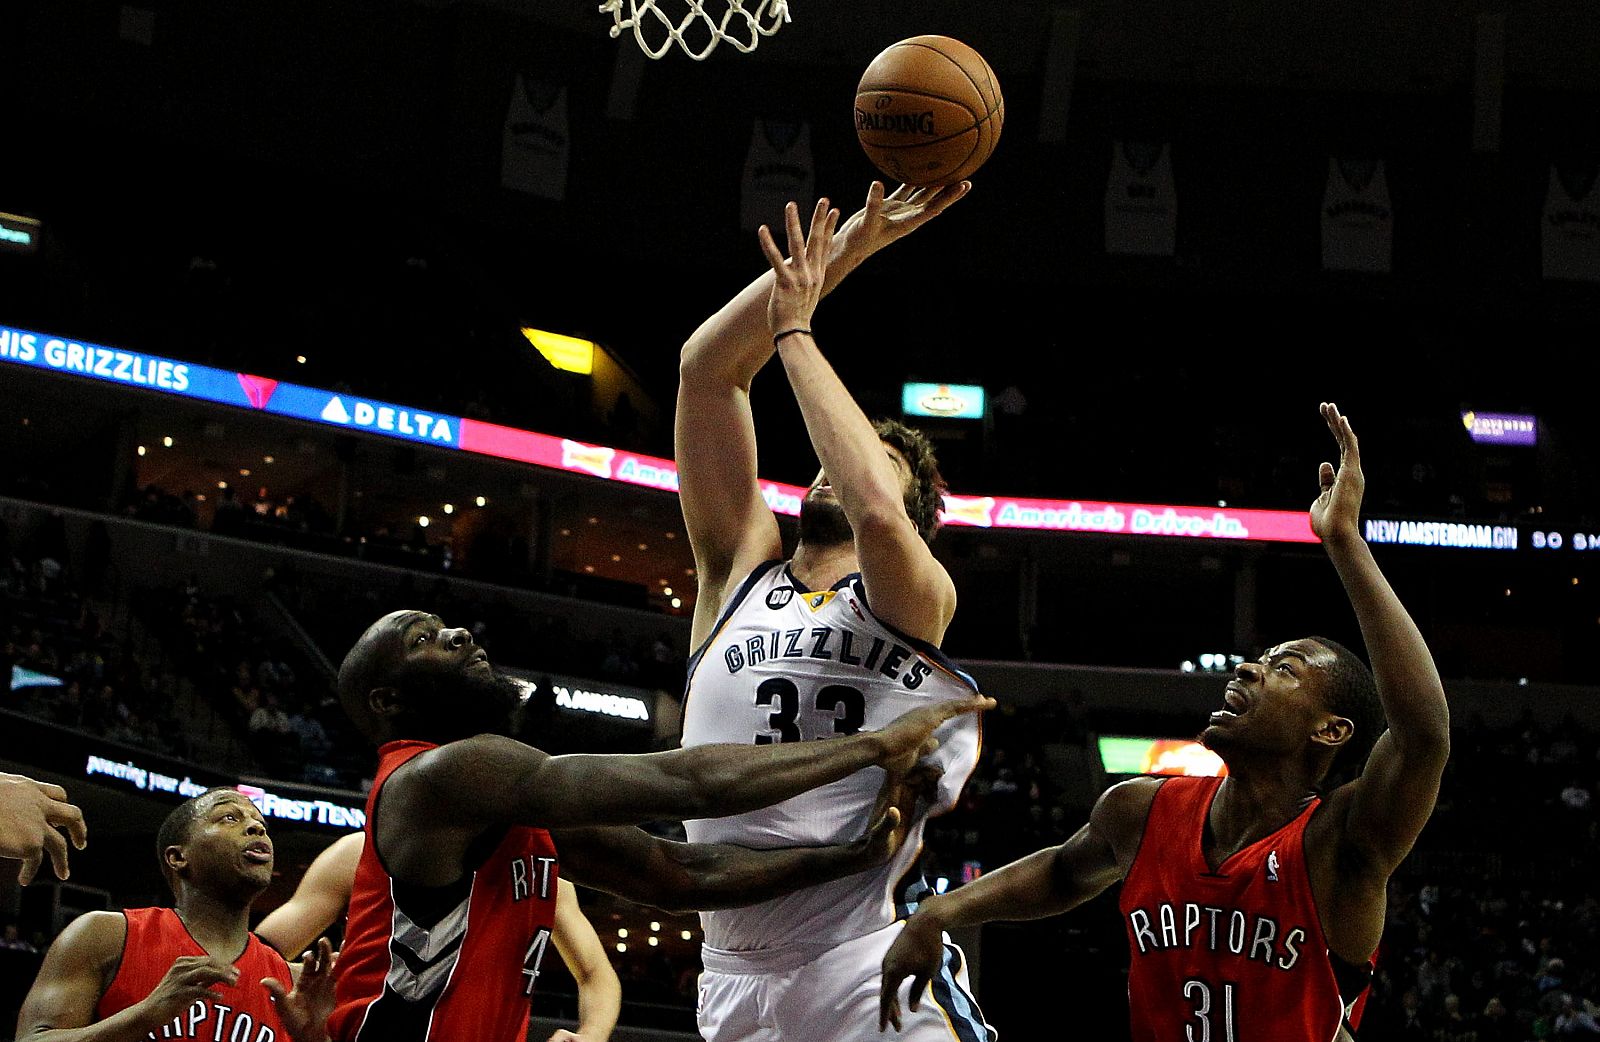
(786, 664)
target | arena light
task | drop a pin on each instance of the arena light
(567, 353)
(1501, 428)
(942, 401)
(1120, 754)
(19, 234)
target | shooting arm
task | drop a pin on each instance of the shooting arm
(893, 555)
(731, 528)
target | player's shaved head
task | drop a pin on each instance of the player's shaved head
(410, 676)
(371, 664)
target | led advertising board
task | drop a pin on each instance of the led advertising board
(943, 401)
(388, 420)
(1501, 428)
(1124, 755)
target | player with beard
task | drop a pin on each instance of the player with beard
(455, 890)
(191, 971)
(843, 635)
(1254, 902)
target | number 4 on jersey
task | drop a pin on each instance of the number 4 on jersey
(531, 961)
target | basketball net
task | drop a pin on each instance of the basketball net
(741, 28)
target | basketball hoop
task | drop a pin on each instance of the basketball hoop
(747, 27)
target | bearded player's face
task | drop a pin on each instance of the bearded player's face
(447, 687)
(822, 518)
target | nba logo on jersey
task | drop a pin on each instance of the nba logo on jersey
(1272, 867)
(780, 597)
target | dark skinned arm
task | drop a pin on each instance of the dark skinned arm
(434, 806)
(691, 877)
(60, 1006)
(1387, 807)
(1044, 883)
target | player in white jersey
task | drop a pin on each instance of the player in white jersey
(843, 636)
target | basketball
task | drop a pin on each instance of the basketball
(929, 111)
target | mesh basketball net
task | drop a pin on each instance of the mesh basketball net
(742, 28)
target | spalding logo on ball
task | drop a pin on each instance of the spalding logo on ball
(929, 111)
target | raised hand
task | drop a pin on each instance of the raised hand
(910, 737)
(888, 217)
(1336, 514)
(798, 281)
(32, 815)
(305, 1010)
(916, 953)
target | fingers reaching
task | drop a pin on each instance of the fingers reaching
(30, 867)
(888, 1009)
(55, 844)
(68, 816)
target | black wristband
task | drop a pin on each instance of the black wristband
(789, 332)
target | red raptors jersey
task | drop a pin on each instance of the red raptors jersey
(242, 1011)
(447, 963)
(1235, 955)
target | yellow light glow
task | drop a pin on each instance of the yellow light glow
(564, 352)
(622, 933)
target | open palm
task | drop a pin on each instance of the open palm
(1337, 510)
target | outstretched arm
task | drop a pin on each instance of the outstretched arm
(1392, 800)
(438, 803)
(686, 877)
(599, 991)
(1045, 883)
(319, 900)
(730, 527)
(863, 474)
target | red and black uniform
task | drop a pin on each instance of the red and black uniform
(156, 938)
(1232, 955)
(446, 962)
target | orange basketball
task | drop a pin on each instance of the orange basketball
(929, 111)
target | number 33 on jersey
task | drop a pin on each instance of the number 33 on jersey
(788, 664)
